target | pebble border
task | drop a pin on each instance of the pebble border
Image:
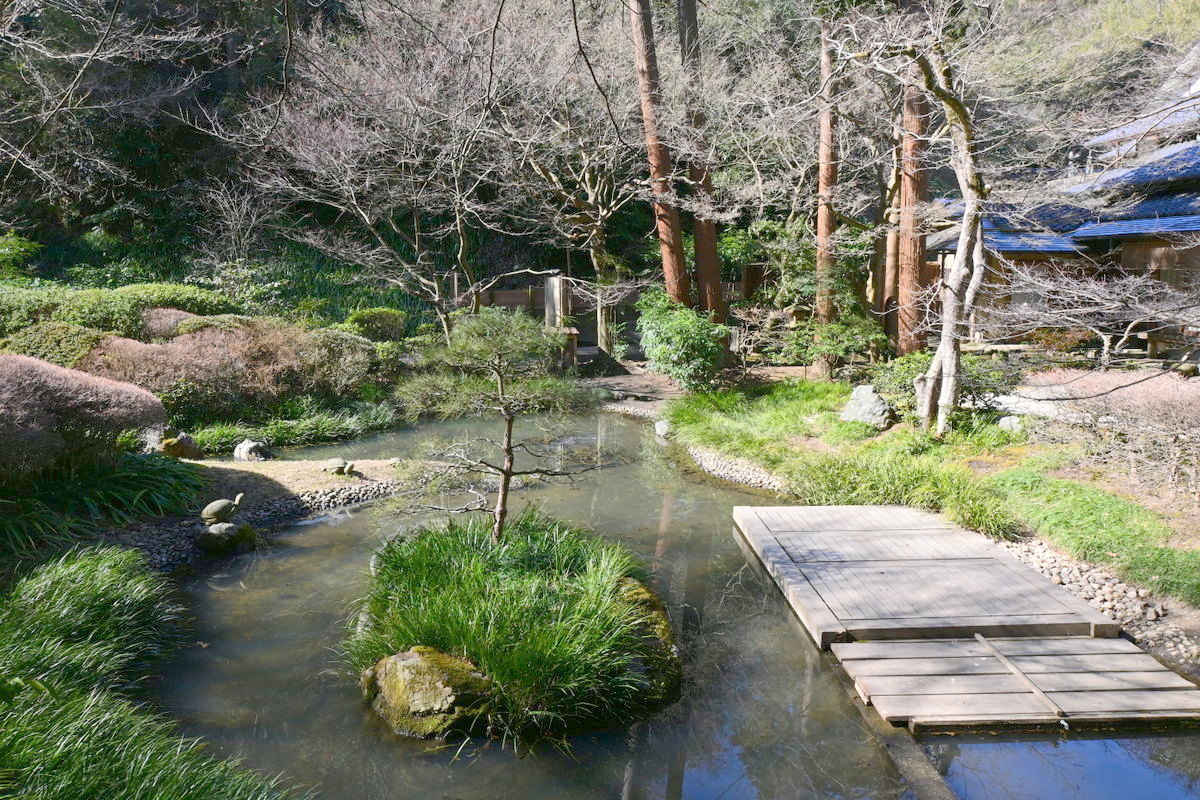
(170, 544)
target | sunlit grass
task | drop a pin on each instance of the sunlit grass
(542, 614)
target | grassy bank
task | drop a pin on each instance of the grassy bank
(792, 429)
(73, 635)
(547, 615)
(57, 507)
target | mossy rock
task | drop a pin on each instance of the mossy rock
(425, 693)
(660, 664)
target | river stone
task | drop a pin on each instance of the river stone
(422, 692)
(226, 537)
(662, 428)
(250, 450)
(867, 406)
(180, 446)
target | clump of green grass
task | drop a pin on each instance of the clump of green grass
(755, 420)
(902, 468)
(74, 633)
(1093, 525)
(311, 426)
(543, 614)
(57, 507)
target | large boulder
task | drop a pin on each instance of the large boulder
(660, 664)
(250, 450)
(867, 406)
(422, 692)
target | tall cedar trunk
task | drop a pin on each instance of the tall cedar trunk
(910, 244)
(710, 293)
(500, 512)
(827, 178)
(961, 286)
(666, 216)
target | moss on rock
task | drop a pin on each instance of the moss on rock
(422, 692)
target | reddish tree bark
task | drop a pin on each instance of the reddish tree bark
(910, 244)
(666, 216)
(827, 178)
(710, 293)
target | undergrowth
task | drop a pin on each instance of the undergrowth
(541, 614)
(55, 508)
(74, 634)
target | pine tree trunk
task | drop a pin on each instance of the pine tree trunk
(709, 291)
(666, 216)
(500, 512)
(827, 178)
(910, 244)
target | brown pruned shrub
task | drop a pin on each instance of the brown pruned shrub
(50, 413)
(161, 323)
(210, 373)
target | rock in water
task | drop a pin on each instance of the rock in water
(422, 692)
(868, 407)
(181, 446)
(226, 537)
(662, 428)
(660, 663)
(250, 450)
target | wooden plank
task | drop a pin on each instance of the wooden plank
(984, 665)
(938, 648)
(958, 627)
(820, 622)
(1045, 699)
(849, 518)
(1002, 684)
(1145, 719)
(1132, 700)
(902, 708)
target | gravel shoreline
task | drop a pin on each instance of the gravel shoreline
(170, 544)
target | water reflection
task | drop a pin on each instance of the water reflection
(764, 715)
(761, 717)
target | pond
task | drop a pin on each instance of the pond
(764, 714)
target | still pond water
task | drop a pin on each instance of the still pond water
(764, 714)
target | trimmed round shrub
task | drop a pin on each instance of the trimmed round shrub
(181, 296)
(224, 322)
(379, 324)
(102, 309)
(61, 343)
(336, 362)
(22, 306)
(681, 343)
(50, 412)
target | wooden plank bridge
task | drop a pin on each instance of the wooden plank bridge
(940, 628)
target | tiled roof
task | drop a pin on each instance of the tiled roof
(1177, 162)
(1014, 242)
(1138, 227)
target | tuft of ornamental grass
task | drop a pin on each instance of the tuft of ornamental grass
(542, 614)
(73, 633)
(65, 503)
(1093, 525)
(311, 426)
